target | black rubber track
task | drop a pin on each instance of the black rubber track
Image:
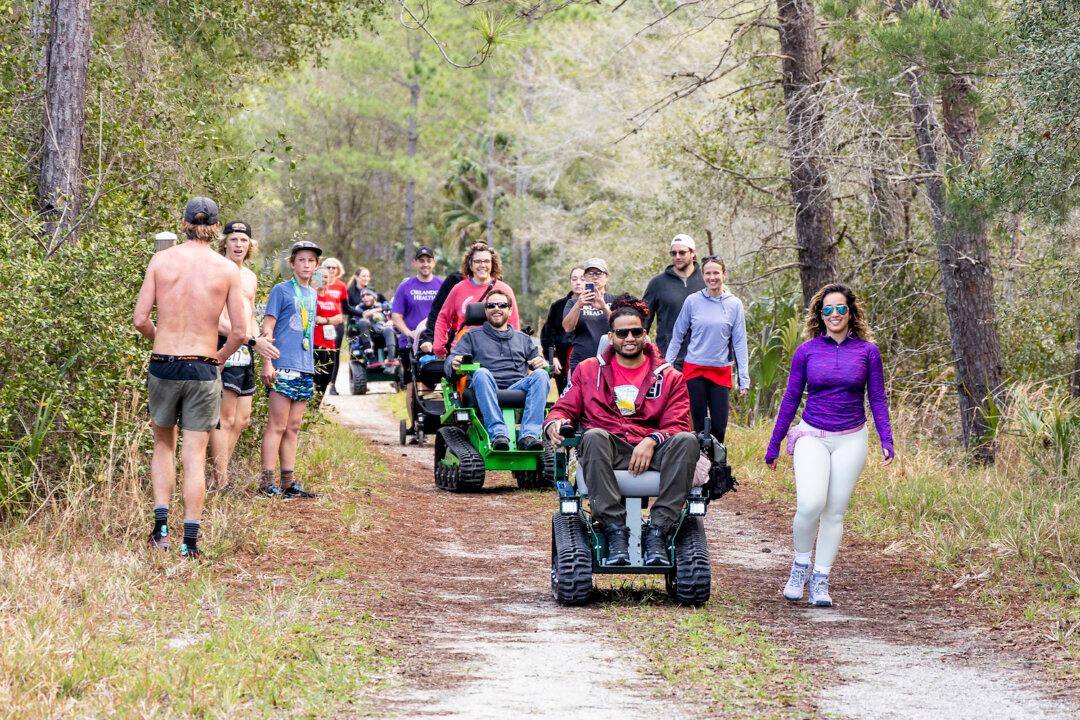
(690, 583)
(468, 475)
(542, 478)
(571, 560)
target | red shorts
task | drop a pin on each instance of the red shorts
(718, 375)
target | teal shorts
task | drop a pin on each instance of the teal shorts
(295, 385)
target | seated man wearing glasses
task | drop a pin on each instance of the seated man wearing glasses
(634, 412)
(509, 360)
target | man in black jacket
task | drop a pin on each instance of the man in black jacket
(553, 337)
(667, 291)
(509, 360)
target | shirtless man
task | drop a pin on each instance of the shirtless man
(189, 284)
(238, 375)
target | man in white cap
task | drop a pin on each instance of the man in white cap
(667, 291)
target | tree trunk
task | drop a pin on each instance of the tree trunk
(1016, 256)
(886, 212)
(1076, 362)
(414, 136)
(490, 168)
(67, 62)
(810, 193)
(39, 15)
(522, 184)
(964, 261)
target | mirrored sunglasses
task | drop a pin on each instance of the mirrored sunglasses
(828, 310)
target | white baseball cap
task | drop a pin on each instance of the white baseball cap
(685, 240)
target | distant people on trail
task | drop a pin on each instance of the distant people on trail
(358, 285)
(290, 320)
(667, 291)
(331, 297)
(377, 321)
(411, 305)
(238, 373)
(189, 284)
(586, 319)
(713, 324)
(553, 337)
(509, 360)
(838, 366)
(482, 272)
(634, 415)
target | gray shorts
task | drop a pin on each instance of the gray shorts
(184, 392)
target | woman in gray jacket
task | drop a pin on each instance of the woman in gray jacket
(715, 322)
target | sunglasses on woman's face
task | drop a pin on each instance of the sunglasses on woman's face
(624, 332)
(828, 310)
(498, 306)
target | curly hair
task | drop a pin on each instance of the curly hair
(253, 246)
(627, 304)
(815, 326)
(496, 264)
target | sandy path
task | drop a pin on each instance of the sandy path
(467, 578)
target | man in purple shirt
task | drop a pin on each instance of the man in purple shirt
(838, 366)
(411, 304)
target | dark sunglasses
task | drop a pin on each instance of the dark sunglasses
(622, 333)
(500, 306)
(680, 253)
(828, 310)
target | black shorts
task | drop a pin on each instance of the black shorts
(240, 380)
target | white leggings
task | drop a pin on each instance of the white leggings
(825, 473)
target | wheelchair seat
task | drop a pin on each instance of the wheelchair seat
(506, 398)
(647, 484)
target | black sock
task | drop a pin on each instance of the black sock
(191, 534)
(286, 479)
(161, 521)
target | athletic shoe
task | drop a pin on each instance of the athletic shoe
(528, 442)
(159, 542)
(501, 442)
(618, 544)
(270, 491)
(796, 582)
(656, 546)
(333, 390)
(190, 553)
(819, 590)
(295, 491)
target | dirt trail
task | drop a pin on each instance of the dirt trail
(466, 577)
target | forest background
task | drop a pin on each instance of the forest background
(926, 153)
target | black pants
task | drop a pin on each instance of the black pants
(706, 397)
(324, 367)
(601, 453)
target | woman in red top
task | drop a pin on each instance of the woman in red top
(329, 319)
(483, 272)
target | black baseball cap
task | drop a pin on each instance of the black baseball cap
(304, 245)
(237, 226)
(422, 251)
(203, 206)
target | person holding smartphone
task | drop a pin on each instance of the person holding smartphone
(586, 319)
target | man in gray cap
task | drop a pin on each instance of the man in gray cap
(189, 284)
(667, 291)
(586, 320)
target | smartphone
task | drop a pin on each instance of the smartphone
(590, 287)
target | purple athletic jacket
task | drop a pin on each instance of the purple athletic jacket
(836, 378)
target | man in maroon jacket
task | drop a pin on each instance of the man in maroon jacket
(635, 414)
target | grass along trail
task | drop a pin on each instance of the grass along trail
(465, 581)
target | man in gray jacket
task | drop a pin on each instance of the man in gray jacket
(509, 360)
(667, 291)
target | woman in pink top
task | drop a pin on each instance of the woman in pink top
(483, 272)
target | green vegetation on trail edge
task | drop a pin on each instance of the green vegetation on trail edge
(107, 629)
(715, 658)
(395, 403)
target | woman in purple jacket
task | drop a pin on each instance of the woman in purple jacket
(838, 366)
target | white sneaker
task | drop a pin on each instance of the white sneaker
(796, 581)
(819, 590)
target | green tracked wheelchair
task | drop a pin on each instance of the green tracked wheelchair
(578, 546)
(463, 452)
